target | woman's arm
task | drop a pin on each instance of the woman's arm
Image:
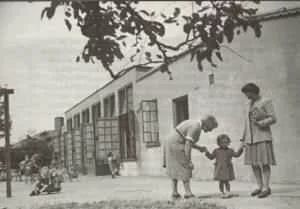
(209, 155)
(270, 115)
(200, 148)
(238, 153)
(188, 149)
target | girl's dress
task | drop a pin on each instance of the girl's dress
(223, 165)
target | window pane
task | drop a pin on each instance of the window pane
(150, 121)
(108, 146)
(146, 116)
(152, 106)
(145, 106)
(115, 130)
(147, 127)
(147, 137)
(115, 138)
(101, 137)
(154, 116)
(116, 145)
(107, 131)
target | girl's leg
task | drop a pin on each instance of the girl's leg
(187, 188)
(221, 186)
(174, 187)
(258, 176)
(227, 186)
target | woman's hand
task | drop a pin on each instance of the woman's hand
(191, 165)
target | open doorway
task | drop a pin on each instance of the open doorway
(180, 109)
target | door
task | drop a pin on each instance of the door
(180, 109)
(107, 140)
(127, 134)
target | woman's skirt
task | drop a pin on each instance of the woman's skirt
(177, 164)
(259, 154)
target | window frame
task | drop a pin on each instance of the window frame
(151, 143)
(76, 121)
(112, 109)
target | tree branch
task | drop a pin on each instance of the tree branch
(236, 53)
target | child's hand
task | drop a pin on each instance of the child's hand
(242, 146)
(202, 149)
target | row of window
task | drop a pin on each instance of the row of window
(125, 105)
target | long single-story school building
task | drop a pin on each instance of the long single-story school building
(132, 115)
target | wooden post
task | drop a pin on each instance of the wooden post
(6, 93)
(7, 146)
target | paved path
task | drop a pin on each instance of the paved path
(90, 189)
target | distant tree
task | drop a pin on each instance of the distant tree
(109, 24)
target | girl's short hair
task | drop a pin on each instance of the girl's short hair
(223, 136)
(250, 87)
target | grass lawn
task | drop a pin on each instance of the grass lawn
(146, 204)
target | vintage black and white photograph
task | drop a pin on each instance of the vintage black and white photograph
(132, 104)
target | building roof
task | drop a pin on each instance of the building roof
(44, 135)
(279, 13)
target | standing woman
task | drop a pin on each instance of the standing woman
(258, 138)
(177, 151)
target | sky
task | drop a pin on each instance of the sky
(37, 60)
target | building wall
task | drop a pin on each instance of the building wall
(272, 62)
(100, 95)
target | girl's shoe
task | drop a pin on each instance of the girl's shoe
(176, 196)
(226, 195)
(264, 193)
(256, 192)
(187, 196)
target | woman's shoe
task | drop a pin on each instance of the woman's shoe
(176, 196)
(256, 192)
(265, 193)
(187, 196)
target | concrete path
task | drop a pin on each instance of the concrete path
(90, 189)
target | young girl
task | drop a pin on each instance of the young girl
(114, 165)
(223, 166)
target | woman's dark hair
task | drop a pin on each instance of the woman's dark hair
(223, 136)
(110, 154)
(250, 87)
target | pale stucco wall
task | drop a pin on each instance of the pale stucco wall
(101, 94)
(275, 58)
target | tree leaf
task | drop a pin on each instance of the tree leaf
(187, 27)
(121, 37)
(198, 2)
(193, 54)
(163, 15)
(145, 12)
(176, 12)
(148, 54)
(45, 10)
(68, 24)
(68, 14)
(200, 66)
(203, 9)
(50, 12)
(132, 58)
(218, 54)
(170, 20)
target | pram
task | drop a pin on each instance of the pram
(48, 182)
